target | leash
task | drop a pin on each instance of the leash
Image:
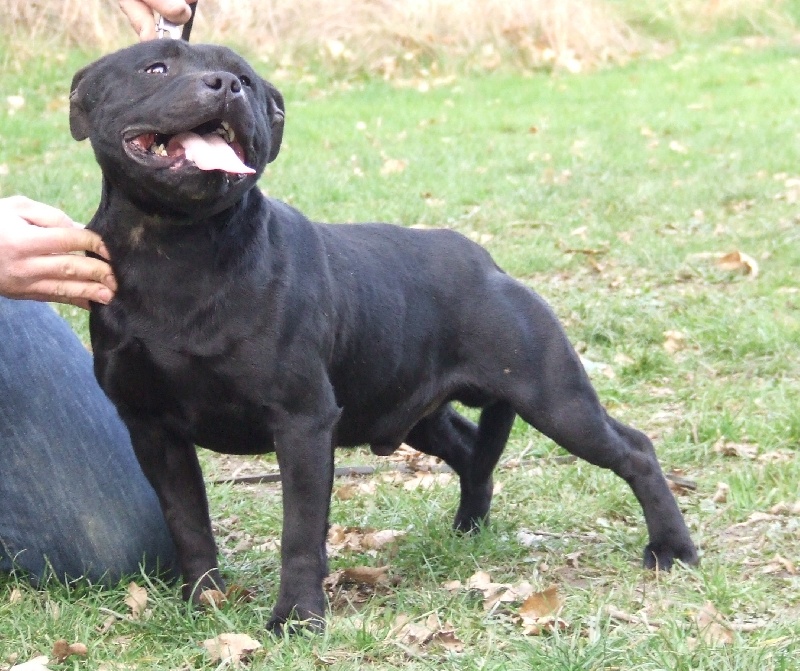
(167, 29)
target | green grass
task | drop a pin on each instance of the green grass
(602, 191)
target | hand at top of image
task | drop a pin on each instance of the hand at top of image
(141, 14)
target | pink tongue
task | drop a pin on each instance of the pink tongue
(210, 152)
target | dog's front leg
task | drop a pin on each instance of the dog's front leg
(170, 464)
(304, 447)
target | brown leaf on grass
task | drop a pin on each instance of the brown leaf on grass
(36, 664)
(735, 262)
(426, 481)
(721, 495)
(778, 456)
(678, 147)
(482, 581)
(392, 166)
(354, 539)
(714, 630)
(365, 575)
(494, 593)
(239, 594)
(136, 600)
(779, 564)
(542, 604)
(212, 598)
(674, 341)
(784, 508)
(738, 262)
(15, 597)
(418, 635)
(350, 490)
(376, 540)
(232, 648)
(62, 649)
(728, 448)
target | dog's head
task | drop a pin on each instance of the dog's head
(185, 127)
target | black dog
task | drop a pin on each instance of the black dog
(243, 327)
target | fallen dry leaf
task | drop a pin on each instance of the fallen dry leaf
(674, 341)
(36, 664)
(542, 604)
(375, 540)
(136, 600)
(15, 597)
(783, 508)
(231, 647)
(539, 612)
(426, 481)
(721, 495)
(728, 448)
(778, 456)
(417, 635)
(779, 564)
(739, 262)
(678, 147)
(355, 539)
(212, 597)
(365, 575)
(62, 649)
(494, 593)
(453, 585)
(392, 166)
(712, 626)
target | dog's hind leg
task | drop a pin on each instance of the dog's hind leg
(558, 399)
(472, 451)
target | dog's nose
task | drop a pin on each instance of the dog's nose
(222, 81)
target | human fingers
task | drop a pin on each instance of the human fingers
(64, 241)
(140, 14)
(66, 268)
(36, 213)
(71, 292)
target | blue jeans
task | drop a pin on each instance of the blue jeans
(72, 496)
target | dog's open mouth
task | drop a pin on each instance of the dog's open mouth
(209, 146)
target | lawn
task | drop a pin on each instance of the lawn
(655, 206)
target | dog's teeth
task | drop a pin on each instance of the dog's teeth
(226, 132)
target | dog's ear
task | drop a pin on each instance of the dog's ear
(277, 114)
(78, 116)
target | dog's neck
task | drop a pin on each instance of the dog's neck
(130, 229)
(159, 259)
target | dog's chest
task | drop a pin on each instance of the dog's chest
(211, 399)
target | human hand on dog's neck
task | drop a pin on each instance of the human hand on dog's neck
(40, 256)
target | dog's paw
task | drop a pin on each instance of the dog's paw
(298, 620)
(662, 556)
(469, 524)
(473, 510)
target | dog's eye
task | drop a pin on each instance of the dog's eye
(246, 81)
(156, 69)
